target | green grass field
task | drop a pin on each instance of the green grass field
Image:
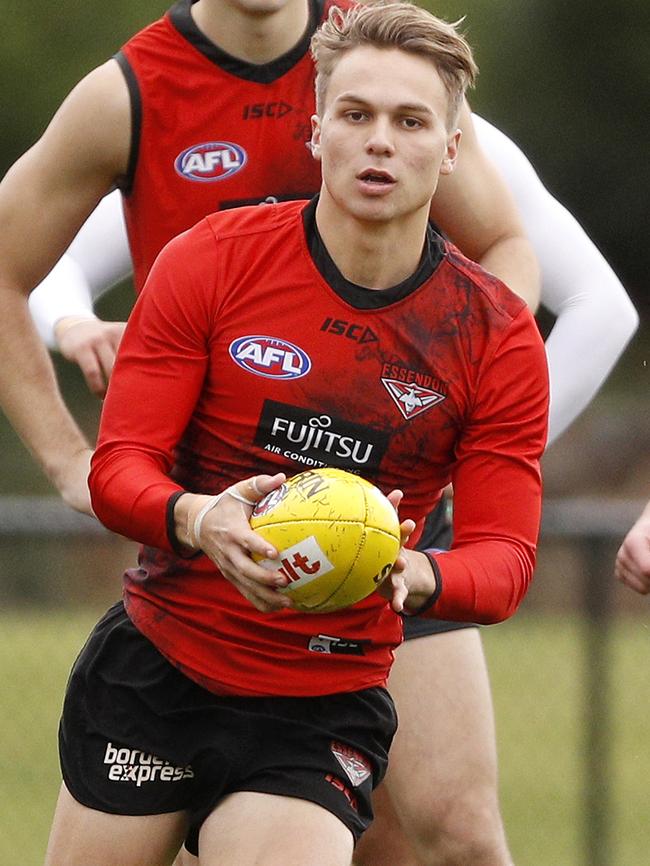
(536, 665)
(538, 669)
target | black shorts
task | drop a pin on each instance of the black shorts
(437, 532)
(137, 737)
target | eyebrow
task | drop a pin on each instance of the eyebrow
(416, 107)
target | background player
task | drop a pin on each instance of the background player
(384, 133)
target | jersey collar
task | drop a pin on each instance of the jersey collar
(358, 296)
(264, 73)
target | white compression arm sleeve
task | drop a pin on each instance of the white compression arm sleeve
(595, 318)
(96, 260)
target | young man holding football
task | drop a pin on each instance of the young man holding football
(183, 414)
(225, 58)
(250, 63)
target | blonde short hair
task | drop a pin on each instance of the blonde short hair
(396, 25)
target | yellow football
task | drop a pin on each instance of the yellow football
(337, 536)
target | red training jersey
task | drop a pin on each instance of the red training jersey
(211, 132)
(241, 358)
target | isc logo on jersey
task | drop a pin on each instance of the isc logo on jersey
(270, 357)
(213, 160)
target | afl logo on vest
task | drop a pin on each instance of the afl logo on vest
(214, 160)
(270, 357)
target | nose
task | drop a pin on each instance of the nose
(380, 140)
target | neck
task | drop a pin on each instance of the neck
(253, 36)
(375, 255)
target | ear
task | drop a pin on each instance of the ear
(315, 136)
(449, 160)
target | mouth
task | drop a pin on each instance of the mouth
(376, 177)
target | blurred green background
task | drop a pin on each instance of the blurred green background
(570, 82)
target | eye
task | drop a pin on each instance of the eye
(356, 116)
(411, 123)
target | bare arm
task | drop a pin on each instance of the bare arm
(44, 199)
(475, 208)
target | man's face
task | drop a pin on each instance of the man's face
(383, 139)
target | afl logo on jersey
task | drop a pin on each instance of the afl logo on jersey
(214, 160)
(270, 357)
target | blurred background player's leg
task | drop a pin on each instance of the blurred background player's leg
(442, 776)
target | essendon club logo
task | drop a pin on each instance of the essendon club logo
(210, 161)
(412, 392)
(356, 766)
(411, 400)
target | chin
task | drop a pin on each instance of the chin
(260, 7)
(373, 210)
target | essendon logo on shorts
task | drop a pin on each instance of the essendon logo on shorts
(347, 793)
(132, 765)
(357, 767)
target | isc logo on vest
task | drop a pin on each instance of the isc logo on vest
(270, 357)
(213, 160)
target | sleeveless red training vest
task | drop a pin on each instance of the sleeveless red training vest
(211, 132)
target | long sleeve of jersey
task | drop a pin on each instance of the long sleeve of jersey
(153, 392)
(497, 485)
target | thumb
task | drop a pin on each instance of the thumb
(253, 489)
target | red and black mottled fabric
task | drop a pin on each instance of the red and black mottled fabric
(210, 131)
(240, 358)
